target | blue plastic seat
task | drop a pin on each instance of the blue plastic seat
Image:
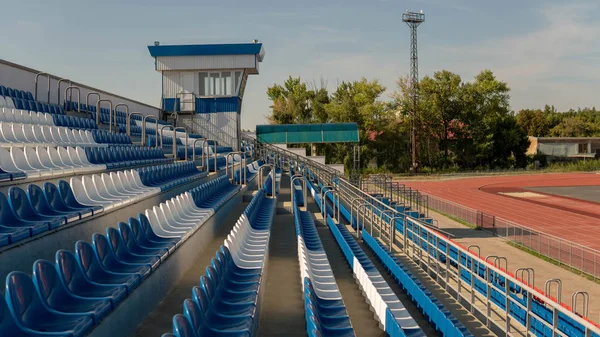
(29, 312)
(144, 241)
(56, 203)
(24, 211)
(73, 278)
(122, 252)
(55, 295)
(134, 247)
(38, 201)
(209, 323)
(95, 272)
(9, 219)
(106, 256)
(66, 194)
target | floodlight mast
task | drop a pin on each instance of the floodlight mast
(413, 20)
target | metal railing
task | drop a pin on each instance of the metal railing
(564, 252)
(428, 251)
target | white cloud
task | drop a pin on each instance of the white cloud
(540, 65)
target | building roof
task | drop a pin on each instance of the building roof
(566, 139)
(208, 49)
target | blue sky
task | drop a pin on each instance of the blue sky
(548, 52)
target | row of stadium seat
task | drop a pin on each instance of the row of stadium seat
(16, 134)
(125, 156)
(9, 115)
(225, 302)
(29, 162)
(72, 106)
(106, 137)
(21, 104)
(16, 93)
(324, 307)
(211, 196)
(74, 122)
(251, 171)
(389, 311)
(162, 176)
(72, 295)
(105, 119)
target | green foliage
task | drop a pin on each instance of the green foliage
(550, 123)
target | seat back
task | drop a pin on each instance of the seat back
(17, 199)
(182, 327)
(47, 282)
(116, 241)
(8, 326)
(53, 197)
(69, 270)
(194, 314)
(84, 252)
(22, 298)
(127, 235)
(36, 198)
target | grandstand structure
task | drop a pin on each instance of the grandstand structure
(118, 220)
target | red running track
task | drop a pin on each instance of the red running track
(567, 218)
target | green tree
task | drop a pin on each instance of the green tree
(441, 106)
(533, 122)
(290, 102)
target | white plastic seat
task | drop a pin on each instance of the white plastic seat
(18, 158)
(159, 229)
(71, 137)
(92, 192)
(47, 119)
(130, 175)
(34, 161)
(18, 116)
(44, 159)
(55, 159)
(9, 102)
(87, 136)
(6, 162)
(95, 182)
(181, 217)
(8, 115)
(30, 134)
(112, 189)
(173, 220)
(64, 137)
(63, 155)
(47, 135)
(82, 196)
(18, 133)
(5, 134)
(3, 102)
(35, 118)
(27, 118)
(122, 187)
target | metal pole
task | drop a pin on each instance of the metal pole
(36, 85)
(144, 128)
(58, 91)
(126, 116)
(98, 109)
(78, 95)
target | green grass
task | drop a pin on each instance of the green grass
(553, 261)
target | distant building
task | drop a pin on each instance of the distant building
(565, 147)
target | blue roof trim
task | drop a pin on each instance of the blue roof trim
(207, 49)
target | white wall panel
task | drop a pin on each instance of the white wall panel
(208, 62)
(22, 78)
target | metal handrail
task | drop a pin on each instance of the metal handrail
(128, 128)
(175, 142)
(58, 90)
(71, 87)
(242, 169)
(161, 136)
(126, 114)
(205, 153)
(273, 177)
(36, 85)
(87, 101)
(98, 108)
(293, 189)
(194, 149)
(144, 129)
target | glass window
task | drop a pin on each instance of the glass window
(583, 148)
(203, 84)
(227, 83)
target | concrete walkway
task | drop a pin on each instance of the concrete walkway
(492, 245)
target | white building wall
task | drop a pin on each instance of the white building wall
(22, 78)
(206, 62)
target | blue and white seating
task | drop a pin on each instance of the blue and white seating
(77, 291)
(389, 311)
(225, 302)
(17, 134)
(10, 115)
(323, 304)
